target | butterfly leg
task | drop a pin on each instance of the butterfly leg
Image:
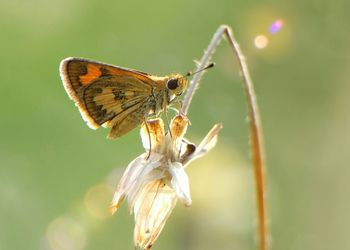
(149, 139)
(176, 105)
(168, 123)
(165, 102)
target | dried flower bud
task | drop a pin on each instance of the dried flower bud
(154, 182)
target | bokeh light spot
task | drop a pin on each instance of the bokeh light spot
(65, 233)
(261, 41)
(276, 26)
(97, 200)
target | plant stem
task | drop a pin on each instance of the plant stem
(256, 137)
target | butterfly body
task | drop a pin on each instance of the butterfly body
(116, 97)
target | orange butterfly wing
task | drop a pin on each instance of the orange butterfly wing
(108, 95)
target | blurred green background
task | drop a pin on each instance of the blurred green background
(56, 173)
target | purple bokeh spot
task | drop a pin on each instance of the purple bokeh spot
(276, 26)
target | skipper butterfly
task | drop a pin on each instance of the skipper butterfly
(115, 97)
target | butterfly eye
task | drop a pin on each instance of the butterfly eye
(172, 84)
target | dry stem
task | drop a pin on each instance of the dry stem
(256, 138)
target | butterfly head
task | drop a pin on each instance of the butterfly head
(176, 84)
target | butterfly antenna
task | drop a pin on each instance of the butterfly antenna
(200, 70)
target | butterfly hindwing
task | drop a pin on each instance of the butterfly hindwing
(112, 96)
(129, 120)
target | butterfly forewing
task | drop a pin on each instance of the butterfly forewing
(103, 92)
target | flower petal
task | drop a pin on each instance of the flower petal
(149, 173)
(179, 126)
(206, 144)
(133, 179)
(154, 130)
(180, 183)
(124, 183)
(187, 148)
(152, 208)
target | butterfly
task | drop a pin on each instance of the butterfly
(115, 97)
